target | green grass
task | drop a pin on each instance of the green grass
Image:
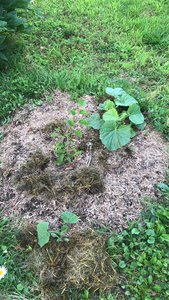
(19, 280)
(83, 46)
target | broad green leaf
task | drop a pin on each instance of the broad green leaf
(122, 264)
(101, 106)
(54, 234)
(19, 287)
(83, 122)
(121, 97)
(135, 231)
(150, 279)
(165, 237)
(82, 102)
(160, 228)
(73, 112)
(141, 126)
(83, 112)
(135, 114)
(71, 122)
(43, 233)
(78, 133)
(108, 104)
(150, 232)
(157, 288)
(64, 229)
(151, 240)
(95, 121)
(133, 133)
(69, 217)
(111, 115)
(114, 137)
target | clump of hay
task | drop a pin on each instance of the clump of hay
(81, 263)
(33, 178)
(36, 161)
(26, 235)
(37, 183)
(81, 180)
(50, 127)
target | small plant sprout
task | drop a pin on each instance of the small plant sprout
(118, 119)
(44, 234)
(65, 148)
(3, 272)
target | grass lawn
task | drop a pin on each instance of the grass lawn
(82, 47)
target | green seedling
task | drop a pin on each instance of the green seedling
(44, 233)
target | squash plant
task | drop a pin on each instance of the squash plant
(118, 119)
(44, 234)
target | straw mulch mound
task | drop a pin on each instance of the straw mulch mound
(102, 187)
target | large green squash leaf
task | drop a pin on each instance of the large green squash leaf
(95, 121)
(111, 115)
(43, 233)
(114, 137)
(121, 97)
(135, 114)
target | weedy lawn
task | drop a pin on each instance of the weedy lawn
(84, 46)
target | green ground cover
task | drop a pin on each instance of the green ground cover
(83, 46)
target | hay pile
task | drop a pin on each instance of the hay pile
(78, 264)
(33, 178)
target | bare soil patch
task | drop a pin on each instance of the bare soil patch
(102, 187)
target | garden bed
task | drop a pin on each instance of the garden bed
(103, 188)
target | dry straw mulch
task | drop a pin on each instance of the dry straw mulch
(103, 188)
